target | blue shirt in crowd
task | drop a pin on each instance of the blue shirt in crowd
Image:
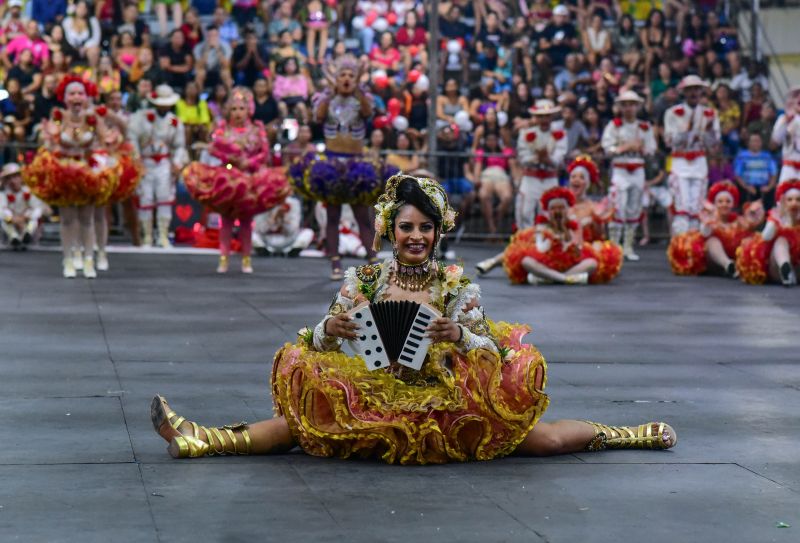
(755, 169)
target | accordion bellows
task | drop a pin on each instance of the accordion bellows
(459, 407)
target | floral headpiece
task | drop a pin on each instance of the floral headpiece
(345, 62)
(67, 80)
(557, 193)
(388, 204)
(586, 162)
(786, 186)
(724, 186)
(244, 96)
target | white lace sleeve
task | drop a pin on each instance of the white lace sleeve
(340, 304)
(475, 332)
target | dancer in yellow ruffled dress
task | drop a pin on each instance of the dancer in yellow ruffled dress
(479, 395)
(66, 172)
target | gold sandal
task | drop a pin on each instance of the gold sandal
(653, 435)
(202, 441)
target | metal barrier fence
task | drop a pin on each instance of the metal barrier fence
(456, 170)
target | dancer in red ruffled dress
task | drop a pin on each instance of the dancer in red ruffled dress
(721, 232)
(66, 172)
(236, 180)
(553, 251)
(774, 254)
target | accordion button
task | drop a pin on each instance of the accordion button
(378, 350)
(374, 337)
(367, 352)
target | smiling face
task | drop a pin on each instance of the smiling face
(724, 204)
(414, 234)
(578, 183)
(791, 204)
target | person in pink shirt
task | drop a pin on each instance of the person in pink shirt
(29, 40)
(291, 89)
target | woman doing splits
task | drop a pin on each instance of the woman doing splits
(479, 394)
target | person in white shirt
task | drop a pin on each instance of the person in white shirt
(20, 210)
(627, 141)
(786, 133)
(690, 130)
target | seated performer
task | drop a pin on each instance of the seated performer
(479, 395)
(234, 179)
(591, 216)
(553, 251)
(722, 230)
(774, 254)
(279, 231)
(20, 210)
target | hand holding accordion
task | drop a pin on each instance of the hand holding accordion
(392, 331)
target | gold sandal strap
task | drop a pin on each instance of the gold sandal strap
(177, 422)
(232, 438)
(217, 434)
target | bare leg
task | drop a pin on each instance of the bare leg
(486, 196)
(559, 437)
(225, 236)
(781, 261)
(716, 252)
(540, 270)
(69, 230)
(366, 228)
(101, 228)
(323, 44)
(87, 235)
(506, 195)
(587, 265)
(334, 216)
(311, 36)
(177, 14)
(161, 13)
(271, 436)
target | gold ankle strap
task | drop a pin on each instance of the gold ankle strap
(216, 440)
(628, 437)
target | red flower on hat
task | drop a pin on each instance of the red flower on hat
(786, 186)
(57, 115)
(91, 120)
(101, 110)
(586, 161)
(26, 196)
(530, 137)
(151, 116)
(154, 95)
(174, 122)
(644, 126)
(679, 111)
(11, 198)
(617, 122)
(708, 113)
(558, 134)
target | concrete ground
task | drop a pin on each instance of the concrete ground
(79, 362)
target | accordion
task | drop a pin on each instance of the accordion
(392, 331)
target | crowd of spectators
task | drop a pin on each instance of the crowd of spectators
(496, 58)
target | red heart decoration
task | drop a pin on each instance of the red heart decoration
(184, 212)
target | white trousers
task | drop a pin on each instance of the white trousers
(688, 194)
(626, 193)
(530, 192)
(156, 190)
(12, 233)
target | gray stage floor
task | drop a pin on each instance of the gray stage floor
(79, 362)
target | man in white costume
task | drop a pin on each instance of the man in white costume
(540, 152)
(627, 141)
(158, 138)
(786, 133)
(690, 130)
(20, 210)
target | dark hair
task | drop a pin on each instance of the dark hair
(411, 193)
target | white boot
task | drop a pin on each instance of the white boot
(627, 246)
(77, 259)
(163, 232)
(534, 279)
(69, 268)
(146, 228)
(485, 266)
(102, 261)
(88, 268)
